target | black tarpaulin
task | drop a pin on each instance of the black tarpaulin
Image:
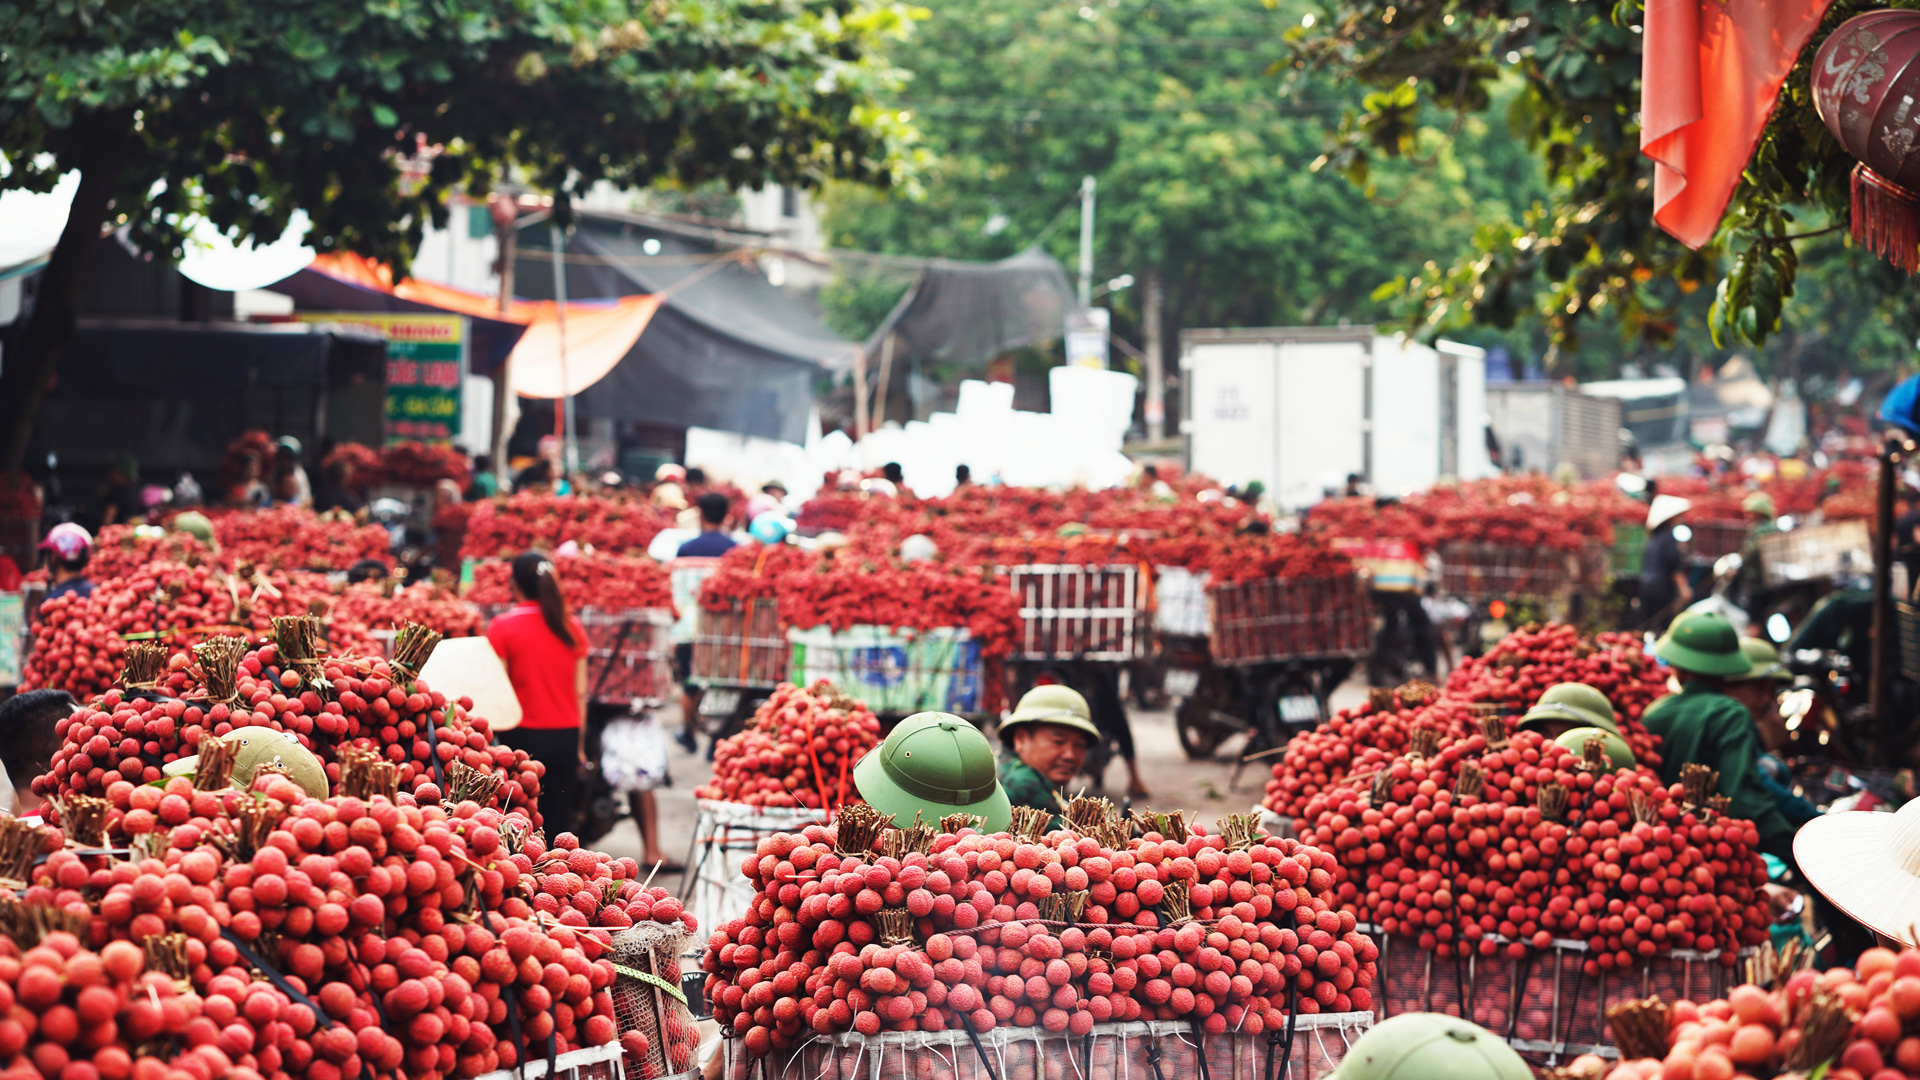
(966, 313)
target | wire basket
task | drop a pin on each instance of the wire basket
(592, 1063)
(1480, 572)
(1259, 622)
(1141, 1050)
(725, 836)
(629, 655)
(1810, 552)
(1712, 539)
(647, 999)
(741, 646)
(1544, 1003)
(1071, 611)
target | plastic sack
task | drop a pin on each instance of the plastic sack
(633, 753)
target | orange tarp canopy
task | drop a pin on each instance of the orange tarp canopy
(598, 334)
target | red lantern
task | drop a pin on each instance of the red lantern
(1866, 87)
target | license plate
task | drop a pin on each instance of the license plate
(719, 702)
(1299, 709)
(1181, 682)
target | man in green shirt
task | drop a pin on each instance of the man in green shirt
(1049, 733)
(1703, 725)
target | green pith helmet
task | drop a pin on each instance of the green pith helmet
(1051, 704)
(258, 746)
(195, 524)
(1703, 643)
(1429, 1046)
(938, 764)
(1759, 503)
(1765, 660)
(1544, 716)
(1615, 747)
(1585, 700)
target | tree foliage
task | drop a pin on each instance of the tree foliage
(1592, 253)
(1202, 161)
(365, 115)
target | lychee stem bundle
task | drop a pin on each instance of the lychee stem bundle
(85, 819)
(1030, 822)
(1640, 1028)
(146, 663)
(1699, 782)
(413, 644)
(220, 663)
(215, 769)
(465, 782)
(1825, 1025)
(20, 844)
(857, 828)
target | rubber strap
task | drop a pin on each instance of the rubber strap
(1200, 1049)
(966, 1021)
(433, 755)
(281, 984)
(652, 980)
(1153, 1060)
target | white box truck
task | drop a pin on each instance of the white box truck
(1542, 425)
(1300, 408)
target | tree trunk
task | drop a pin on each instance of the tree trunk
(1153, 308)
(27, 374)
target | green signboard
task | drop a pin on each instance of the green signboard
(426, 358)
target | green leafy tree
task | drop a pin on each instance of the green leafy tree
(367, 115)
(1591, 253)
(1203, 163)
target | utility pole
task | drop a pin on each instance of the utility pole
(1885, 649)
(1156, 409)
(570, 436)
(1086, 241)
(504, 209)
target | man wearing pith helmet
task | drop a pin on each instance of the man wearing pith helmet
(1430, 1046)
(1049, 733)
(934, 764)
(1703, 725)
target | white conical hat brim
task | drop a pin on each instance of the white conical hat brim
(1665, 508)
(1865, 862)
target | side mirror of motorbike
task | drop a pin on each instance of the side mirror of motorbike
(1727, 565)
(1794, 707)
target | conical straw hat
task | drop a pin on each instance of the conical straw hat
(1868, 864)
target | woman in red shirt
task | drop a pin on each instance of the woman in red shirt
(545, 651)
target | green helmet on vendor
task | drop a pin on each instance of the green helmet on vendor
(1051, 704)
(936, 764)
(1703, 643)
(195, 524)
(1619, 755)
(1765, 660)
(262, 746)
(1571, 703)
(1429, 1046)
